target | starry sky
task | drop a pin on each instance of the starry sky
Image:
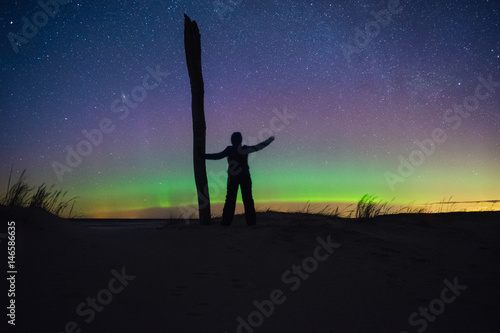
(399, 99)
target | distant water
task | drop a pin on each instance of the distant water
(122, 224)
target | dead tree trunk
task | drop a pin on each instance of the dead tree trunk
(192, 46)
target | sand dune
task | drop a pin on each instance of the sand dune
(320, 275)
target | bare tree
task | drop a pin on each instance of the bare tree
(192, 45)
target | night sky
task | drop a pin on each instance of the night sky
(396, 99)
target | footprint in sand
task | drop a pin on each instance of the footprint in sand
(237, 283)
(200, 275)
(235, 249)
(179, 291)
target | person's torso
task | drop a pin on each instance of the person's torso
(237, 161)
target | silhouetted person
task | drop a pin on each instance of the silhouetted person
(238, 174)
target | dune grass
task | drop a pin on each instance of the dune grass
(368, 207)
(20, 194)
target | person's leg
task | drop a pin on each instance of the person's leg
(246, 193)
(230, 205)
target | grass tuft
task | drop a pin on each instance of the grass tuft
(48, 199)
(368, 208)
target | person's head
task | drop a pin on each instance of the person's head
(236, 139)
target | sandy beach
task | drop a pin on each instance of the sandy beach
(290, 273)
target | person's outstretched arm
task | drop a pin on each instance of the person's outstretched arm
(216, 156)
(259, 146)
